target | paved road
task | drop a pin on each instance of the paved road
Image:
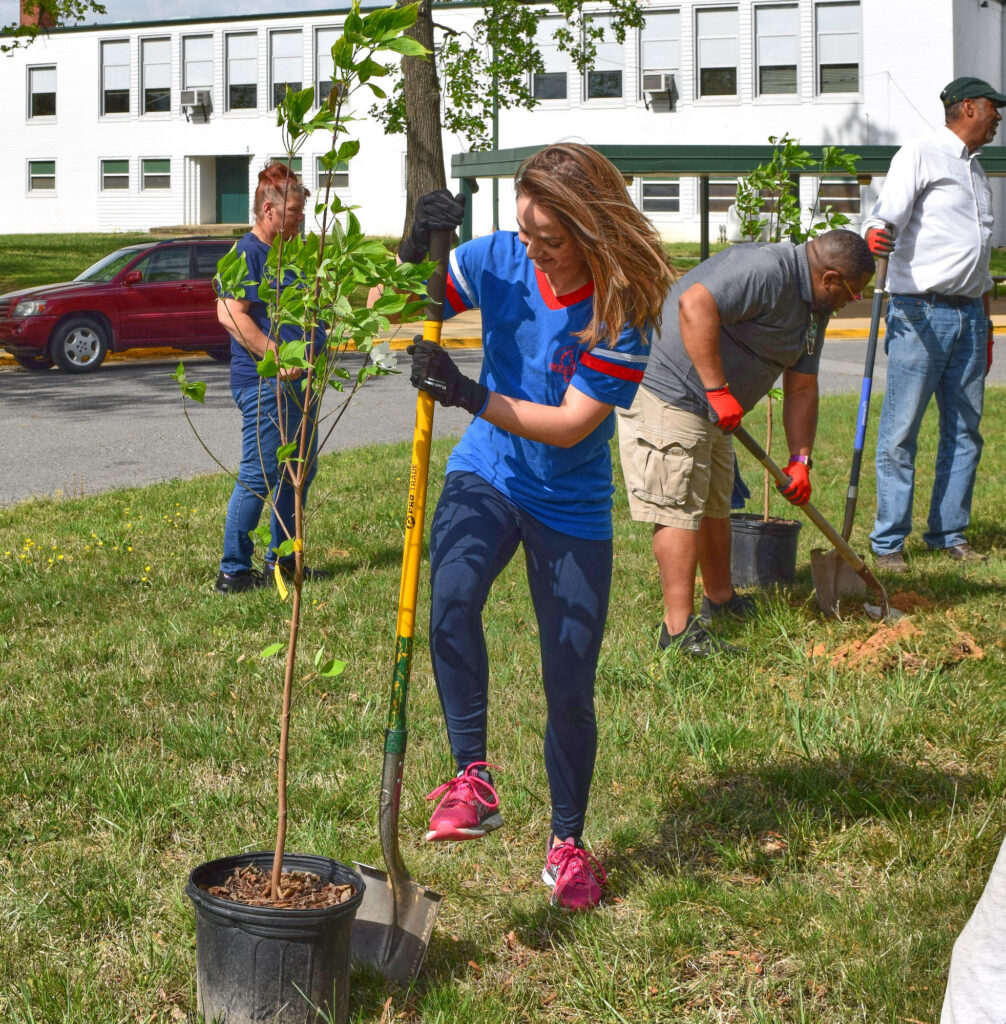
(124, 425)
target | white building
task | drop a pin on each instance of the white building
(99, 139)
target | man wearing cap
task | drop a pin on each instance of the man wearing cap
(934, 218)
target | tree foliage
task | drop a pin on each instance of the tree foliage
(491, 65)
(41, 14)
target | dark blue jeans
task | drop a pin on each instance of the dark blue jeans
(475, 533)
(259, 473)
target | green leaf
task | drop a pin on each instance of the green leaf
(775, 393)
(267, 365)
(332, 668)
(196, 390)
(284, 451)
(406, 46)
(261, 535)
(271, 650)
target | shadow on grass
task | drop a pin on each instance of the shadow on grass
(717, 826)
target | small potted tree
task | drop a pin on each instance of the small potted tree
(763, 547)
(272, 928)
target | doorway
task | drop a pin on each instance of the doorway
(232, 189)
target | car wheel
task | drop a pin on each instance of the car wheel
(34, 363)
(221, 353)
(78, 345)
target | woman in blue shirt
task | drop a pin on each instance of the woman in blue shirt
(568, 303)
(271, 409)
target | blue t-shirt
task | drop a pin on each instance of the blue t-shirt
(531, 352)
(256, 253)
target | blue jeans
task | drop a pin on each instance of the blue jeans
(475, 533)
(259, 473)
(932, 349)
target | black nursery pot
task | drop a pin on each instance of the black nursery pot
(267, 965)
(762, 553)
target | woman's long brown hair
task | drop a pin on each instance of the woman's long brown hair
(622, 249)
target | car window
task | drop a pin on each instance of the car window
(106, 268)
(207, 258)
(165, 265)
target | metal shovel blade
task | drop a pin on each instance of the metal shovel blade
(834, 579)
(392, 930)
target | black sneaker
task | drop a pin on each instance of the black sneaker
(738, 607)
(694, 641)
(235, 582)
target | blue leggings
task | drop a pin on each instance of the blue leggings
(475, 533)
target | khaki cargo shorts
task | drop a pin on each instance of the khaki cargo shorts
(678, 467)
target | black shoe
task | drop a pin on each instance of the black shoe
(694, 641)
(235, 582)
(738, 607)
(289, 568)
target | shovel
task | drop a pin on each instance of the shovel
(841, 544)
(395, 920)
(833, 579)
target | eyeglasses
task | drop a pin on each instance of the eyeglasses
(855, 296)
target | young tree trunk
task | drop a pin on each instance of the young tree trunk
(423, 139)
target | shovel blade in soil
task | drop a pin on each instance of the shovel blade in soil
(393, 925)
(835, 582)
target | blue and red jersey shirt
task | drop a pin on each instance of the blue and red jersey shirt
(530, 351)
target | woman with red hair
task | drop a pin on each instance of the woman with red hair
(271, 409)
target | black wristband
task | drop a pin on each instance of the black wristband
(408, 252)
(471, 395)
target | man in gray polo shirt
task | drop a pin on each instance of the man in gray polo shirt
(730, 327)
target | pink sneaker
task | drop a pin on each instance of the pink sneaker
(574, 876)
(469, 809)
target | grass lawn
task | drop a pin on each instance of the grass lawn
(790, 836)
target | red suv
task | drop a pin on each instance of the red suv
(154, 295)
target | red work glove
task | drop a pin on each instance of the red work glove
(727, 409)
(798, 490)
(880, 241)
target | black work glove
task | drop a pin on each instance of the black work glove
(434, 372)
(436, 211)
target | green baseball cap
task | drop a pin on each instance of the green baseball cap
(969, 88)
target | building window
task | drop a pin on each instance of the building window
(242, 71)
(42, 92)
(41, 175)
(155, 55)
(550, 84)
(722, 194)
(324, 68)
(662, 196)
(115, 77)
(338, 179)
(777, 46)
(197, 62)
(114, 175)
(295, 163)
(838, 45)
(287, 63)
(660, 43)
(604, 79)
(841, 194)
(155, 174)
(717, 47)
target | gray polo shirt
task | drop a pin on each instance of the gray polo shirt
(763, 294)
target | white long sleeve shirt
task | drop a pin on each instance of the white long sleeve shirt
(937, 198)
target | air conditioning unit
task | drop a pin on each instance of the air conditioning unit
(196, 98)
(657, 83)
